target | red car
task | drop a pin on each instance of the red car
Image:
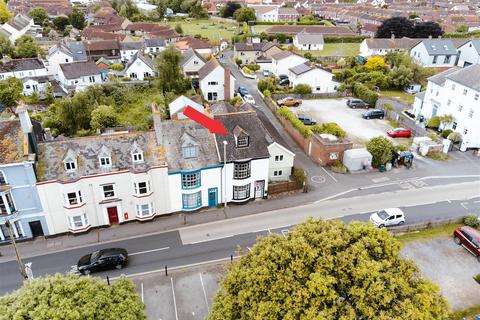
(469, 238)
(400, 133)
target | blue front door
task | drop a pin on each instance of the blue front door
(212, 197)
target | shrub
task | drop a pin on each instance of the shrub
(302, 89)
(446, 133)
(253, 67)
(455, 137)
(433, 136)
(477, 278)
(299, 175)
(472, 221)
(439, 156)
(433, 122)
(269, 84)
(236, 101)
(238, 61)
(366, 94)
(284, 112)
(116, 67)
(267, 93)
(247, 70)
(381, 150)
(400, 147)
(389, 106)
(329, 128)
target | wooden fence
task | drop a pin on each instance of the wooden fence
(424, 225)
(283, 186)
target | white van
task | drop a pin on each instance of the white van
(388, 217)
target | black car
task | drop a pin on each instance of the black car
(306, 120)
(105, 259)
(282, 76)
(284, 82)
(357, 103)
(374, 114)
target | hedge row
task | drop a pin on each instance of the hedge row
(267, 23)
(353, 39)
(329, 128)
(366, 94)
(285, 113)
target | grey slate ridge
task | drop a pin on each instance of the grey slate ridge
(78, 50)
(142, 57)
(420, 95)
(282, 55)
(76, 70)
(87, 150)
(171, 135)
(40, 79)
(242, 46)
(309, 38)
(131, 45)
(21, 65)
(188, 54)
(468, 76)
(19, 22)
(208, 68)
(440, 78)
(251, 124)
(442, 46)
(157, 42)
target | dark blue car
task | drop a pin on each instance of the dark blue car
(242, 91)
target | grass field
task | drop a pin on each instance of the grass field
(257, 29)
(430, 233)
(213, 30)
(399, 94)
(338, 49)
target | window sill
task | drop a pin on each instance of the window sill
(144, 218)
(192, 209)
(79, 229)
(109, 200)
(192, 188)
(143, 195)
(236, 178)
(75, 206)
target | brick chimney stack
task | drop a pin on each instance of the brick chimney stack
(226, 79)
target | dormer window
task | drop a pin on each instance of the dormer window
(242, 141)
(105, 161)
(190, 151)
(70, 161)
(105, 157)
(70, 165)
(137, 157)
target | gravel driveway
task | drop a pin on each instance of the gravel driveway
(450, 266)
(358, 129)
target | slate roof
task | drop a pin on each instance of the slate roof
(12, 146)
(188, 54)
(39, 79)
(87, 149)
(172, 135)
(21, 65)
(131, 45)
(326, 31)
(222, 107)
(208, 68)
(76, 70)
(475, 44)
(400, 43)
(78, 50)
(282, 55)
(156, 42)
(440, 77)
(440, 46)
(309, 38)
(243, 46)
(420, 95)
(143, 58)
(100, 45)
(251, 124)
(468, 76)
(19, 22)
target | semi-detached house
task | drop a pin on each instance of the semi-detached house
(78, 75)
(435, 53)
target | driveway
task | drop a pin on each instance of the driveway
(449, 266)
(358, 129)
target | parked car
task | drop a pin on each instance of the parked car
(374, 114)
(105, 259)
(249, 99)
(388, 217)
(306, 120)
(242, 91)
(357, 103)
(282, 76)
(284, 82)
(289, 102)
(469, 238)
(400, 133)
(266, 73)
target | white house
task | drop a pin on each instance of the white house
(105, 180)
(153, 46)
(129, 49)
(77, 76)
(22, 68)
(435, 53)
(469, 53)
(38, 85)
(380, 47)
(280, 163)
(266, 13)
(140, 67)
(321, 81)
(215, 81)
(192, 62)
(16, 27)
(455, 92)
(283, 61)
(64, 52)
(308, 41)
(177, 106)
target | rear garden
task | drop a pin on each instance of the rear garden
(211, 29)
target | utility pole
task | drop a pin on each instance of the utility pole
(8, 224)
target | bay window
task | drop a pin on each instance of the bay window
(241, 192)
(79, 221)
(142, 188)
(191, 180)
(241, 170)
(192, 200)
(73, 198)
(144, 210)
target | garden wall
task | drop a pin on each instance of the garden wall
(310, 96)
(402, 119)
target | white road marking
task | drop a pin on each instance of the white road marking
(204, 292)
(449, 201)
(249, 249)
(478, 201)
(329, 174)
(285, 232)
(463, 204)
(269, 231)
(141, 288)
(174, 301)
(148, 251)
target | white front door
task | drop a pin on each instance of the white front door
(259, 188)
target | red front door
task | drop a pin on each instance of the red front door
(112, 215)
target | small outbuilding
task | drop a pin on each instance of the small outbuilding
(357, 159)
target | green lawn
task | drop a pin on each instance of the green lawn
(337, 49)
(430, 233)
(408, 98)
(213, 30)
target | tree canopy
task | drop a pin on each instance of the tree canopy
(26, 47)
(403, 27)
(229, 9)
(39, 15)
(5, 14)
(327, 270)
(381, 150)
(170, 76)
(10, 91)
(77, 18)
(245, 15)
(73, 297)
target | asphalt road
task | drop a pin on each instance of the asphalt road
(154, 252)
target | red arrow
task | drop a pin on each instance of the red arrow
(214, 126)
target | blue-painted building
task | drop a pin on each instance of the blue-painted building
(19, 200)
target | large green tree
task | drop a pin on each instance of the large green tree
(6, 48)
(61, 23)
(229, 9)
(73, 297)
(77, 18)
(39, 15)
(103, 117)
(170, 76)
(5, 14)
(25, 47)
(245, 15)
(327, 270)
(10, 91)
(381, 150)
(401, 76)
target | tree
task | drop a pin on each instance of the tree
(236, 101)
(269, 84)
(398, 26)
(6, 48)
(74, 114)
(375, 64)
(170, 76)
(103, 117)
(229, 9)
(327, 270)
(73, 297)
(195, 9)
(25, 47)
(5, 14)
(401, 76)
(341, 63)
(178, 28)
(61, 23)
(161, 9)
(39, 15)
(10, 91)
(77, 19)
(381, 150)
(302, 88)
(427, 29)
(244, 15)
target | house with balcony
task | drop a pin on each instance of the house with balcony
(103, 180)
(455, 92)
(19, 200)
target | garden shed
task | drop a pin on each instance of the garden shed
(357, 159)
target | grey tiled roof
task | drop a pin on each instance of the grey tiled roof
(173, 134)
(398, 43)
(440, 46)
(309, 38)
(79, 69)
(12, 137)
(420, 95)
(131, 45)
(189, 53)
(469, 76)
(208, 68)
(142, 57)
(86, 150)
(251, 124)
(21, 65)
(78, 50)
(19, 22)
(157, 42)
(440, 78)
(301, 68)
(282, 55)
